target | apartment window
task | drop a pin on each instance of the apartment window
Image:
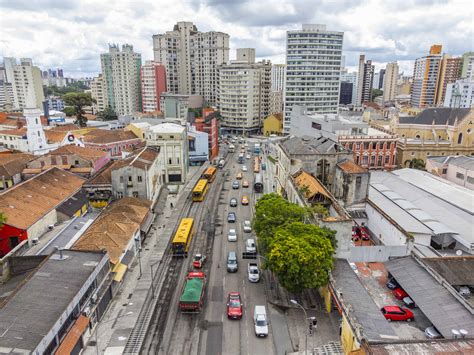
(130, 179)
(444, 171)
(358, 180)
(460, 176)
(470, 179)
(139, 178)
(170, 161)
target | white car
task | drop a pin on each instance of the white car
(244, 168)
(250, 246)
(247, 156)
(232, 236)
(247, 227)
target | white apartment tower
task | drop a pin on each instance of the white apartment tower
(278, 77)
(365, 79)
(244, 93)
(390, 82)
(313, 68)
(99, 93)
(24, 78)
(121, 71)
(191, 59)
(460, 94)
(467, 71)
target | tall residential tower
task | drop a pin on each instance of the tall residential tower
(365, 79)
(390, 82)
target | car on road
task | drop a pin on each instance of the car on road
(260, 321)
(392, 284)
(245, 200)
(247, 156)
(235, 185)
(247, 226)
(239, 176)
(234, 306)
(244, 168)
(232, 235)
(231, 218)
(395, 313)
(245, 183)
(432, 333)
(400, 293)
(253, 272)
(233, 202)
(232, 264)
(199, 261)
(250, 246)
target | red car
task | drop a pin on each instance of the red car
(395, 313)
(234, 306)
(400, 293)
(364, 234)
(199, 261)
(355, 234)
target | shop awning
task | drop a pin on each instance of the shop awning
(119, 270)
(73, 336)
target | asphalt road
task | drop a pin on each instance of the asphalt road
(221, 335)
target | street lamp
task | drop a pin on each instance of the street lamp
(306, 332)
(97, 329)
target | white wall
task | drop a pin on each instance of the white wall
(41, 226)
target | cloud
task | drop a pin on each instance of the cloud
(72, 34)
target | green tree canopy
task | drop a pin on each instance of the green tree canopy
(78, 101)
(3, 219)
(416, 163)
(106, 115)
(301, 256)
(69, 111)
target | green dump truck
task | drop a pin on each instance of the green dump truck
(191, 300)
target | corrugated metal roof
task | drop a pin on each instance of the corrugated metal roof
(435, 301)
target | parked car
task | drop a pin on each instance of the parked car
(407, 301)
(245, 183)
(432, 333)
(253, 272)
(395, 313)
(244, 168)
(392, 284)
(232, 235)
(245, 200)
(232, 264)
(239, 176)
(400, 293)
(235, 185)
(233, 202)
(250, 246)
(364, 234)
(234, 306)
(247, 226)
(355, 234)
(247, 156)
(231, 218)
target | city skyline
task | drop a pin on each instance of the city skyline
(66, 37)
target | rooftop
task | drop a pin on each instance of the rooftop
(303, 179)
(350, 167)
(311, 146)
(439, 347)
(12, 164)
(457, 271)
(115, 227)
(37, 305)
(102, 136)
(83, 152)
(438, 116)
(167, 128)
(26, 203)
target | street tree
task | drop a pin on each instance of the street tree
(3, 219)
(106, 115)
(300, 257)
(79, 101)
(69, 111)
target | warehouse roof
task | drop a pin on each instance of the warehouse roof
(437, 116)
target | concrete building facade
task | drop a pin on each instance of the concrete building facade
(278, 77)
(467, 70)
(458, 169)
(313, 59)
(425, 78)
(191, 59)
(460, 94)
(99, 93)
(350, 78)
(390, 82)
(365, 79)
(449, 72)
(153, 84)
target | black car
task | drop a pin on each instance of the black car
(233, 202)
(235, 185)
(231, 217)
(409, 302)
(392, 284)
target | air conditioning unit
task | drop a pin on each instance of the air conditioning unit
(34, 241)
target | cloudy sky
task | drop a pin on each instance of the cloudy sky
(71, 34)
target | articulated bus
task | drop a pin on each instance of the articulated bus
(256, 165)
(210, 174)
(258, 183)
(182, 238)
(200, 190)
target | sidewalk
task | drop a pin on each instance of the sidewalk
(114, 329)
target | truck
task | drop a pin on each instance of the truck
(192, 296)
(253, 272)
(260, 321)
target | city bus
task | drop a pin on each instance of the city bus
(182, 238)
(200, 190)
(210, 174)
(258, 183)
(256, 165)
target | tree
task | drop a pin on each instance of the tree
(301, 255)
(3, 219)
(273, 211)
(78, 101)
(319, 210)
(415, 163)
(69, 111)
(375, 93)
(106, 115)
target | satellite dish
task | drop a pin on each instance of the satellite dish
(463, 332)
(455, 332)
(458, 252)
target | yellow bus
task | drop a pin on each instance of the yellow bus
(200, 190)
(182, 238)
(210, 174)
(256, 165)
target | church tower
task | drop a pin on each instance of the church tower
(37, 143)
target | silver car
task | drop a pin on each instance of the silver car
(250, 246)
(432, 333)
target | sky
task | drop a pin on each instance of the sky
(72, 34)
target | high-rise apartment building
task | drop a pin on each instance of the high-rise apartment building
(425, 78)
(365, 79)
(460, 94)
(351, 81)
(99, 93)
(390, 82)
(121, 71)
(191, 58)
(244, 93)
(381, 78)
(467, 71)
(313, 68)
(278, 77)
(449, 72)
(25, 79)
(153, 84)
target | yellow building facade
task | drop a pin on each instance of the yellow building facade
(273, 124)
